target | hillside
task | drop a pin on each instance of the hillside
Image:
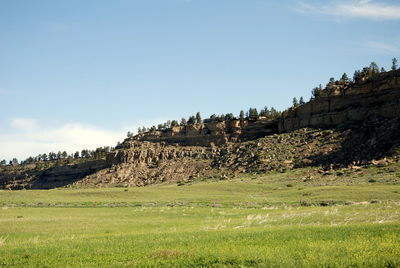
(355, 124)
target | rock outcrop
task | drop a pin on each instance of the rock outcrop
(142, 163)
(145, 152)
(377, 97)
(212, 133)
(47, 175)
(355, 125)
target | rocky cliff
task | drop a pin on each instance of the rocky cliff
(355, 125)
(46, 175)
(377, 97)
(145, 163)
(212, 133)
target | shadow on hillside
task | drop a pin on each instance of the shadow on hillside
(60, 176)
(370, 140)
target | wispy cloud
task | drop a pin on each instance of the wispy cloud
(24, 124)
(365, 9)
(384, 47)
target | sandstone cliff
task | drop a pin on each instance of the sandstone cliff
(377, 97)
(360, 123)
(213, 133)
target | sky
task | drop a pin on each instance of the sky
(79, 74)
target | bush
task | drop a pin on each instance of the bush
(305, 203)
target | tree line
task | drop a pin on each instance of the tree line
(98, 153)
(250, 114)
(272, 114)
(345, 82)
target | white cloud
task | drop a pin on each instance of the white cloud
(366, 9)
(384, 47)
(24, 124)
(28, 139)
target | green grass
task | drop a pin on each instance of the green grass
(250, 221)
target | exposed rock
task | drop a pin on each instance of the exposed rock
(206, 134)
(378, 97)
(365, 128)
(47, 175)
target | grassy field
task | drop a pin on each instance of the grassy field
(295, 219)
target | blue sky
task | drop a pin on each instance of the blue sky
(80, 74)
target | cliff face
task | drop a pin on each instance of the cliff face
(379, 97)
(376, 97)
(213, 133)
(142, 152)
(369, 112)
(142, 163)
(145, 163)
(49, 175)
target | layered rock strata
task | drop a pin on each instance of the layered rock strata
(375, 97)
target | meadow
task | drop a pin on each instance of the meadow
(298, 218)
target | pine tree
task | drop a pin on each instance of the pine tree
(274, 113)
(316, 92)
(267, 112)
(192, 120)
(253, 114)
(295, 102)
(241, 115)
(394, 64)
(174, 123)
(198, 118)
(357, 76)
(374, 67)
(344, 78)
(301, 101)
(52, 156)
(229, 117)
